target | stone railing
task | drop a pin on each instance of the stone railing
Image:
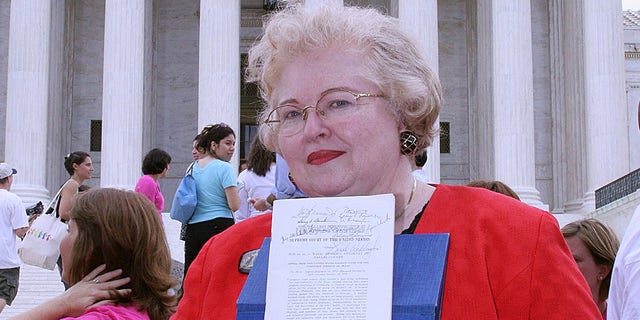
(616, 202)
(618, 189)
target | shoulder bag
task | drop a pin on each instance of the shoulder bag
(185, 200)
(41, 245)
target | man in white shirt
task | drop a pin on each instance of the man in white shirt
(13, 222)
(624, 293)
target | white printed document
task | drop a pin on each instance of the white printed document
(331, 258)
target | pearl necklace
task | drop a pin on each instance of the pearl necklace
(413, 190)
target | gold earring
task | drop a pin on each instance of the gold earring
(408, 143)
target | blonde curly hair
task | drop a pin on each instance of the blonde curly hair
(395, 61)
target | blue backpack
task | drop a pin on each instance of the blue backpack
(185, 199)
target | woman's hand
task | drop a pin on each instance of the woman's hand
(263, 204)
(33, 218)
(259, 203)
(93, 290)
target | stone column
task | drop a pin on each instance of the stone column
(607, 142)
(219, 70)
(27, 97)
(123, 93)
(60, 91)
(567, 104)
(505, 55)
(421, 16)
(316, 3)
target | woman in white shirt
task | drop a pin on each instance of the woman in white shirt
(256, 181)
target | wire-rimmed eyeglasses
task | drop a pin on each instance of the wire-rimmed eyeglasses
(333, 105)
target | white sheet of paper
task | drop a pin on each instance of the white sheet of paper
(331, 258)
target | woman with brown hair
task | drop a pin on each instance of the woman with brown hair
(79, 166)
(117, 231)
(496, 186)
(256, 181)
(216, 186)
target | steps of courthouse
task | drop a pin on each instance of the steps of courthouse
(38, 285)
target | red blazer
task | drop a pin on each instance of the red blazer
(507, 260)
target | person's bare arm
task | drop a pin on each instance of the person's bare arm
(233, 199)
(85, 294)
(263, 204)
(20, 232)
(66, 199)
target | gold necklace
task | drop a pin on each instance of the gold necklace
(413, 190)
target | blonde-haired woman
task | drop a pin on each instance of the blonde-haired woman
(594, 246)
(349, 99)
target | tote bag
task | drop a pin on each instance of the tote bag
(41, 245)
(185, 199)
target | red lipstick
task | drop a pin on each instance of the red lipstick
(323, 156)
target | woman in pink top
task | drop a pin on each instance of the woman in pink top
(154, 166)
(117, 262)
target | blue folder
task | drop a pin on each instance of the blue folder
(419, 267)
